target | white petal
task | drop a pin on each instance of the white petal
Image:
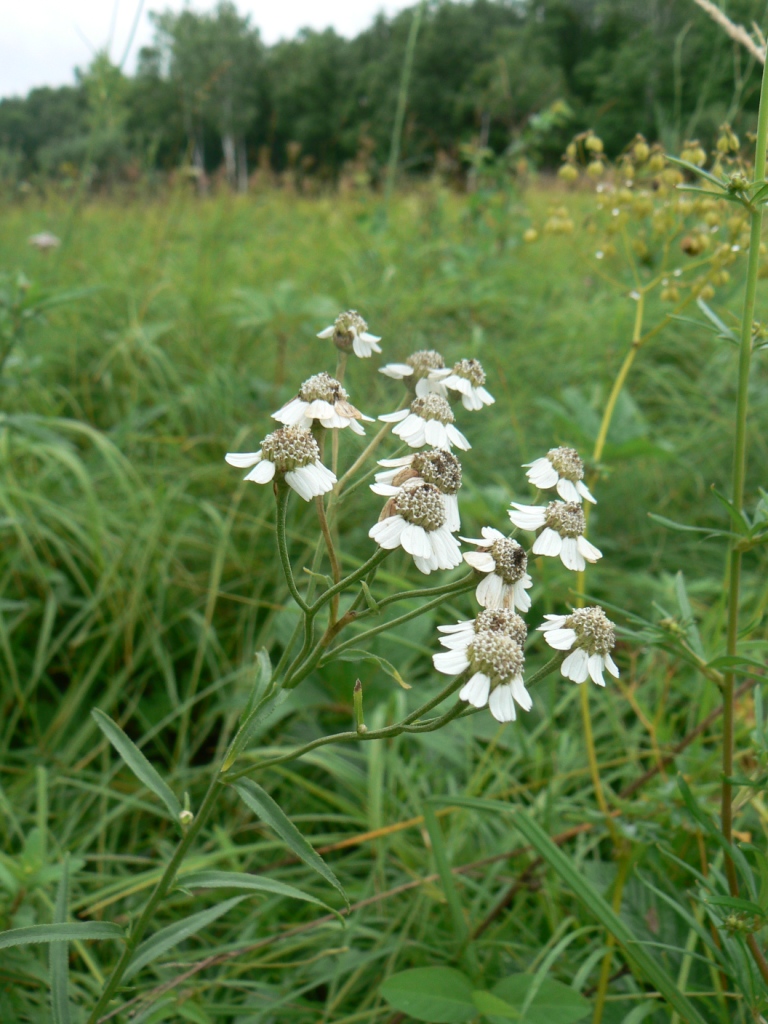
(491, 534)
(320, 410)
(521, 695)
(440, 373)
(415, 541)
(396, 370)
(452, 518)
(371, 339)
(457, 438)
(542, 474)
(262, 473)
(570, 555)
(485, 396)
(567, 490)
(435, 434)
(552, 622)
(490, 591)
(472, 401)
(595, 666)
(610, 664)
(293, 413)
(394, 417)
(576, 665)
(387, 533)
(445, 548)
(457, 627)
(301, 483)
(354, 426)
(589, 551)
(476, 690)
(327, 332)
(502, 704)
(584, 491)
(243, 459)
(385, 490)
(481, 560)
(528, 517)
(561, 639)
(451, 662)
(425, 565)
(519, 595)
(549, 542)
(404, 460)
(362, 348)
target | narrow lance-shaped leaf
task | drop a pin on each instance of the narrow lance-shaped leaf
(243, 880)
(262, 804)
(137, 762)
(59, 955)
(75, 932)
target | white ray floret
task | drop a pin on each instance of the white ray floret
(563, 469)
(429, 420)
(562, 534)
(292, 454)
(416, 371)
(350, 334)
(505, 564)
(321, 398)
(414, 519)
(468, 378)
(590, 636)
(437, 466)
(460, 635)
(496, 664)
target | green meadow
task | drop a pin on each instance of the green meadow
(139, 575)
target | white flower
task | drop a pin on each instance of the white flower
(496, 662)
(590, 636)
(437, 467)
(428, 421)
(350, 334)
(563, 532)
(490, 620)
(291, 453)
(505, 563)
(561, 468)
(467, 377)
(321, 398)
(417, 369)
(44, 241)
(414, 519)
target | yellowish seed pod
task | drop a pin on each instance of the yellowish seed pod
(642, 206)
(671, 176)
(706, 292)
(593, 144)
(640, 151)
(530, 235)
(568, 172)
(571, 151)
(656, 162)
(670, 294)
(641, 249)
(624, 196)
(712, 220)
(595, 168)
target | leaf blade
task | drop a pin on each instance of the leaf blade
(73, 932)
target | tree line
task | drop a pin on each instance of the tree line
(209, 94)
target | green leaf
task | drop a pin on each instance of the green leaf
(262, 804)
(642, 961)
(700, 172)
(263, 677)
(353, 654)
(494, 1008)
(263, 709)
(735, 661)
(762, 865)
(684, 528)
(715, 320)
(243, 880)
(552, 1003)
(167, 938)
(370, 600)
(739, 519)
(77, 931)
(59, 955)
(137, 762)
(440, 995)
(734, 903)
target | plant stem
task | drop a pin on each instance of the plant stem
(402, 99)
(739, 471)
(605, 968)
(332, 557)
(162, 887)
(282, 492)
(620, 381)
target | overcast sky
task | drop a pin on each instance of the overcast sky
(41, 41)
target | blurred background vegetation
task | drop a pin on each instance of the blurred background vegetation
(210, 94)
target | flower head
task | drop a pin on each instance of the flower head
(496, 662)
(428, 421)
(467, 377)
(321, 398)
(590, 636)
(437, 466)
(414, 519)
(44, 241)
(505, 564)
(490, 620)
(350, 334)
(290, 453)
(563, 534)
(561, 468)
(417, 369)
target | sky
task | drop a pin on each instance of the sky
(42, 41)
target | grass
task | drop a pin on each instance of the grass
(138, 575)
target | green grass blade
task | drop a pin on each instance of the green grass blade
(262, 804)
(243, 880)
(79, 930)
(59, 955)
(171, 936)
(137, 762)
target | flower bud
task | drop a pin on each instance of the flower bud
(593, 144)
(530, 235)
(568, 172)
(595, 168)
(640, 150)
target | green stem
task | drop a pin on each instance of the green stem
(739, 471)
(402, 99)
(162, 887)
(283, 491)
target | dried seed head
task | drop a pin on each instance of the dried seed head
(510, 558)
(594, 630)
(499, 620)
(421, 505)
(290, 447)
(322, 387)
(566, 517)
(424, 361)
(440, 468)
(567, 463)
(346, 328)
(432, 407)
(497, 656)
(472, 370)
